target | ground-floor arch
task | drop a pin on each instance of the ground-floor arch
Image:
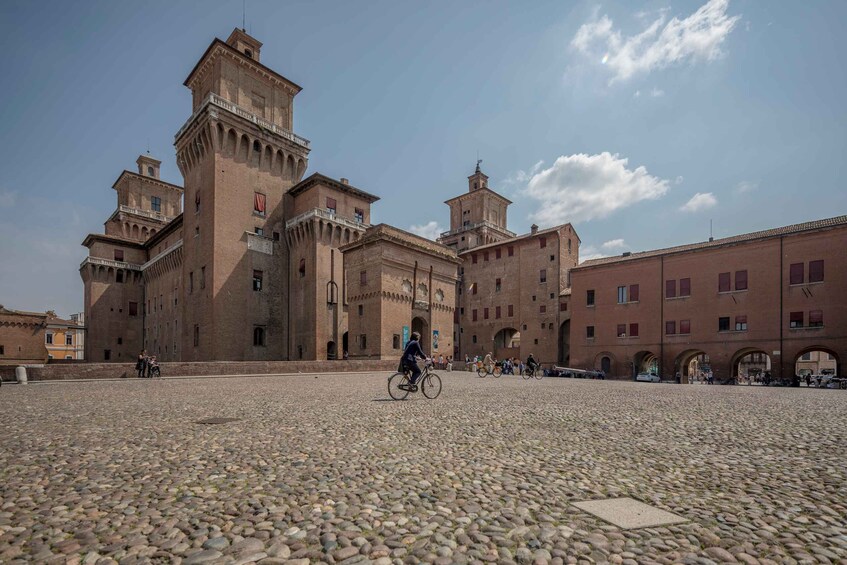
(331, 351)
(565, 343)
(815, 365)
(645, 362)
(692, 366)
(422, 327)
(750, 365)
(507, 343)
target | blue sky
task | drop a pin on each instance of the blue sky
(638, 122)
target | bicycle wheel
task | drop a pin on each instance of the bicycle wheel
(527, 374)
(431, 386)
(497, 372)
(539, 374)
(481, 372)
(394, 382)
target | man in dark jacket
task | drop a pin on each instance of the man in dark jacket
(409, 359)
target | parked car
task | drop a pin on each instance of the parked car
(648, 377)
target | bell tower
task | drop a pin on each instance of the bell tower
(239, 157)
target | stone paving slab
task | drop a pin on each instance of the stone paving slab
(628, 514)
(326, 469)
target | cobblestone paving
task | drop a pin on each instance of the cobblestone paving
(327, 469)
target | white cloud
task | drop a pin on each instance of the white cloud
(589, 252)
(521, 176)
(614, 244)
(661, 44)
(637, 94)
(583, 187)
(656, 92)
(7, 198)
(700, 201)
(430, 230)
(678, 180)
(746, 186)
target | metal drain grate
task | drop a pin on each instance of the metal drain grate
(218, 420)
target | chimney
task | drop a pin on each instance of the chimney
(533, 228)
(345, 181)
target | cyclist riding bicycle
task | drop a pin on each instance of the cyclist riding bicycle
(409, 361)
(531, 363)
(488, 363)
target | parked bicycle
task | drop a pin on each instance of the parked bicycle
(399, 385)
(536, 372)
(483, 370)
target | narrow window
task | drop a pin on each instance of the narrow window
(196, 335)
(723, 282)
(552, 257)
(633, 330)
(670, 327)
(511, 310)
(133, 308)
(119, 254)
(276, 236)
(741, 323)
(359, 215)
(257, 147)
(685, 287)
(69, 339)
(119, 276)
(485, 255)
(589, 332)
(563, 307)
(497, 313)
(473, 338)
(473, 314)
(259, 231)
(120, 341)
(361, 310)
(542, 242)
(49, 339)
(633, 293)
(816, 271)
(156, 204)
(723, 324)
(202, 277)
(589, 298)
(685, 326)
(497, 253)
(363, 341)
(815, 318)
(485, 313)
(796, 320)
(474, 286)
(542, 277)
(670, 289)
(395, 341)
(190, 282)
(107, 354)
(197, 202)
(257, 280)
(330, 205)
(621, 295)
(302, 268)
(496, 285)
(796, 274)
(543, 308)
(473, 258)
(259, 203)
(363, 278)
(511, 250)
(621, 330)
(259, 336)
(740, 280)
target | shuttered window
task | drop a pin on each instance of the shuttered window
(815, 318)
(740, 280)
(670, 328)
(633, 293)
(633, 330)
(259, 203)
(796, 276)
(796, 320)
(685, 326)
(685, 287)
(670, 289)
(816, 271)
(723, 282)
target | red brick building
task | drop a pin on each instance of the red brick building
(715, 305)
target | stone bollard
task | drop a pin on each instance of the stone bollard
(20, 375)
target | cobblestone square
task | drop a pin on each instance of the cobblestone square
(329, 469)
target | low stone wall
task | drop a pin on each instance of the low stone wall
(60, 372)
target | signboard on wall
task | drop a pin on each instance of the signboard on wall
(405, 336)
(434, 339)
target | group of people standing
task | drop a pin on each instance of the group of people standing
(510, 366)
(146, 365)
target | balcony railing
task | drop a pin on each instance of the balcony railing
(326, 215)
(482, 224)
(109, 263)
(145, 213)
(215, 100)
(260, 243)
(162, 255)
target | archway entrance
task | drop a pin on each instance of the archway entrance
(331, 352)
(751, 366)
(419, 325)
(606, 364)
(645, 362)
(565, 343)
(817, 366)
(344, 348)
(693, 366)
(507, 343)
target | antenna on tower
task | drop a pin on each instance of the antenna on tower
(243, 15)
(148, 145)
(711, 238)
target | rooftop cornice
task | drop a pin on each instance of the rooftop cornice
(151, 180)
(317, 178)
(468, 195)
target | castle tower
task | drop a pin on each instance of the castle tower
(239, 157)
(477, 217)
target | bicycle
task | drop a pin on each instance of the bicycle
(428, 383)
(483, 371)
(529, 373)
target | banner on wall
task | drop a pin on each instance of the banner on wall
(434, 339)
(405, 336)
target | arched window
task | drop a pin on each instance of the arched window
(150, 171)
(259, 336)
(257, 146)
(302, 267)
(248, 53)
